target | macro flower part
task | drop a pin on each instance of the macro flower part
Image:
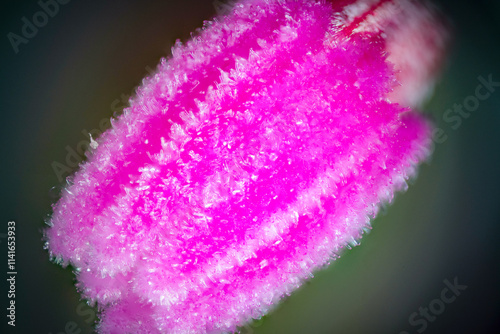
(251, 158)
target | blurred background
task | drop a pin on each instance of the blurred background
(79, 68)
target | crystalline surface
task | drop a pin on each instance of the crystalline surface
(257, 151)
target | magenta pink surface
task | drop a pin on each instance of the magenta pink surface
(252, 157)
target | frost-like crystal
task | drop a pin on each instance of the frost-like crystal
(252, 156)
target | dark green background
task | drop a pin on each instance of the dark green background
(72, 74)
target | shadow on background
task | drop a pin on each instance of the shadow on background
(79, 69)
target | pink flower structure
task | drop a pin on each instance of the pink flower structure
(249, 160)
